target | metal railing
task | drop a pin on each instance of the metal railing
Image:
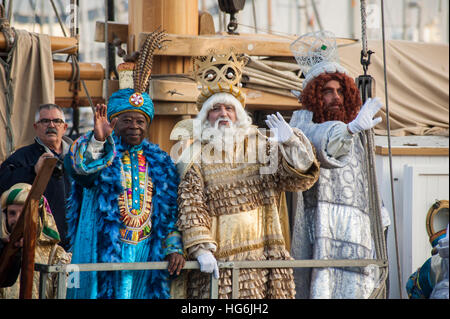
(235, 266)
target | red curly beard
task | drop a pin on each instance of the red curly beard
(312, 99)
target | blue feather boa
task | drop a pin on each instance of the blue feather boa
(165, 181)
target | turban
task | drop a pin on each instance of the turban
(16, 195)
(126, 100)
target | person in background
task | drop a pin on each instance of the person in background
(23, 165)
(430, 281)
(47, 249)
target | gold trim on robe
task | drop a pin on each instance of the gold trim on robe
(236, 208)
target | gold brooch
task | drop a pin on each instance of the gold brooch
(136, 99)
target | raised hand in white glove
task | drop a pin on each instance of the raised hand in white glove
(208, 264)
(280, 128)
(364, 120)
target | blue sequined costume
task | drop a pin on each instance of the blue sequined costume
(98, 226)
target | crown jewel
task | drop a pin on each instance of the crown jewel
(217, 73)
(313, 48)
(316, 53)
(223, 69)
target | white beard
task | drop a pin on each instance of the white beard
(216, 133)
(223, 138)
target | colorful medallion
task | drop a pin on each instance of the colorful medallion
(136, 99)
(135, 206)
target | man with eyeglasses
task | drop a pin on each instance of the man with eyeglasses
(24, 164)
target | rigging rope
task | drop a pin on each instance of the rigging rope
(363, 28)
(75, 78)
(376, 222)
(59, 18)
(254, 15)
(389, 150)
(369, 135)
(365, 82)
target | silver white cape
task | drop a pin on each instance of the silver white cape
(331, 220)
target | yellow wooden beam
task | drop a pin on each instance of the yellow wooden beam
(60, 44)
(179, 89)
(88, 71)
(413, 151)
(115, 30)
(64, 97)
(195, 45)
(251, 44)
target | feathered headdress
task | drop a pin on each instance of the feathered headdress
(134, 79)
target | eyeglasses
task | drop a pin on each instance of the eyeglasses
(56, 122)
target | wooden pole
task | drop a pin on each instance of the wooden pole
(176, 17)
(88, 71)
(60, 44)
(29, 245)
(26, 227)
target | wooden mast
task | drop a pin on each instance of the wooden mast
(175, 17)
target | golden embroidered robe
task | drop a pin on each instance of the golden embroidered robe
(231, 209)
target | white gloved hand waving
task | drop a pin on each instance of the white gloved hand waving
(364, 120)
(280, 128)
(208, 264)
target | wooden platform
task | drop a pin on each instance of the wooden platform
(173, 88)
(197, 45)
(413, 145)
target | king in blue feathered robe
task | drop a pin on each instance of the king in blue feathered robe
(122, 208)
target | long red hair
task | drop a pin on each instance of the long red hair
(312, 98)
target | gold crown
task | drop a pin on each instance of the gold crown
(219, 73)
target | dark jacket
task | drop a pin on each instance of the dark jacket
(19, 168)
(13, 272)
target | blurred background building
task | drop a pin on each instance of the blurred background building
(413, 20)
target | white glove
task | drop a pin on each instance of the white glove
(364, 120)
(281, 129)
(208, 264)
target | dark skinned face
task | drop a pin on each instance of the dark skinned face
(131, 127)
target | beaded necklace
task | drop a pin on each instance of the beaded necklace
(135, 202)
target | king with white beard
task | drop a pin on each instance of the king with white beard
(230, 188)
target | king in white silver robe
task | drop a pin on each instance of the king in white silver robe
(332, 218)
